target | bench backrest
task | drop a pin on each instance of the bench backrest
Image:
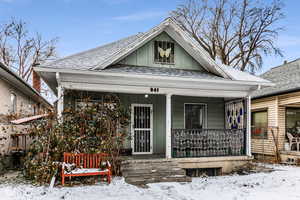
(83, 160)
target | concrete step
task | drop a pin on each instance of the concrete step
(151, 174)
(144, 181)
(141, 172)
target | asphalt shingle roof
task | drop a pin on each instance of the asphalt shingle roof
(93, 57)
(161, 71)
(101, 57)
(286, 77)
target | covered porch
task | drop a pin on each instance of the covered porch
(175, 116)
(177, 126)
(291, 140)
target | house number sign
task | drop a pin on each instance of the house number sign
(154, 90)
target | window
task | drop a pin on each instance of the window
(13, 103)
(195, 116)
(164, 52)
(293, 121)
(259, 124)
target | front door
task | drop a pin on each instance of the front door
(142, 128)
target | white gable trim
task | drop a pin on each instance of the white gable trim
(122, 53)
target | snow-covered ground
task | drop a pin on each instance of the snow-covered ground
(284, 183)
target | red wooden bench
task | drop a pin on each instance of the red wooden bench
(86, 165)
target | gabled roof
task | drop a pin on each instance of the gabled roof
(286, 77)
(91, 58)
(103, 57)
(15, 80)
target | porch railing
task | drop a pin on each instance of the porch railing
(208, 142)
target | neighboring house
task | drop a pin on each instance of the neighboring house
(184, 106)
(18, 100)
(277, 109)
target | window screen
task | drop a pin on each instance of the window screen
(164, 52)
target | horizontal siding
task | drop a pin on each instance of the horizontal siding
(266, 146)
(281, 126)
(290, 98)
(276, 122)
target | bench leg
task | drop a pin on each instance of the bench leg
(63, 180)
(109, 178)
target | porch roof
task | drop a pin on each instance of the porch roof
(161, 71)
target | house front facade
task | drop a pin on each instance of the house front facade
(276, 114)
(184, 106)
(18, 99)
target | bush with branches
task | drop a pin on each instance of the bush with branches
(92, 128)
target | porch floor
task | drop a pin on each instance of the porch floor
(144, 157)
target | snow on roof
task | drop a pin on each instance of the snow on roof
(239, 75)
(286, 78)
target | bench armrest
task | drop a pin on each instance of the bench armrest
(63, 168)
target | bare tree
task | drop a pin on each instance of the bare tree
(21, 50)
(236, 32)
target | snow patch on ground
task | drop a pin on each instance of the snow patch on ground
(284, 183)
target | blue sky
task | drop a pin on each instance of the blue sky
(84, 24)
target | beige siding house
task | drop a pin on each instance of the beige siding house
(18, 100)
(276, 114)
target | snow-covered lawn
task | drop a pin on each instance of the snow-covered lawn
(284, 183)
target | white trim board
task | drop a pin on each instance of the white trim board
(146, 90)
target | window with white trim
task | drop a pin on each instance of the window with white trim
(13, 103)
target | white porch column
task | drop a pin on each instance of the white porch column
(60, 101)
(168, 126)
(248, 128)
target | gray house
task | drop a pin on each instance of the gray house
(185, 107)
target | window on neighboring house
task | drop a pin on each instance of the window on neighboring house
(35, 110)
(13, 103)
(293, 121)
(164, 52)
(259, 124)
(195, 116)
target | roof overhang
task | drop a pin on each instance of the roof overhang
(13, 79)
(141, 83)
